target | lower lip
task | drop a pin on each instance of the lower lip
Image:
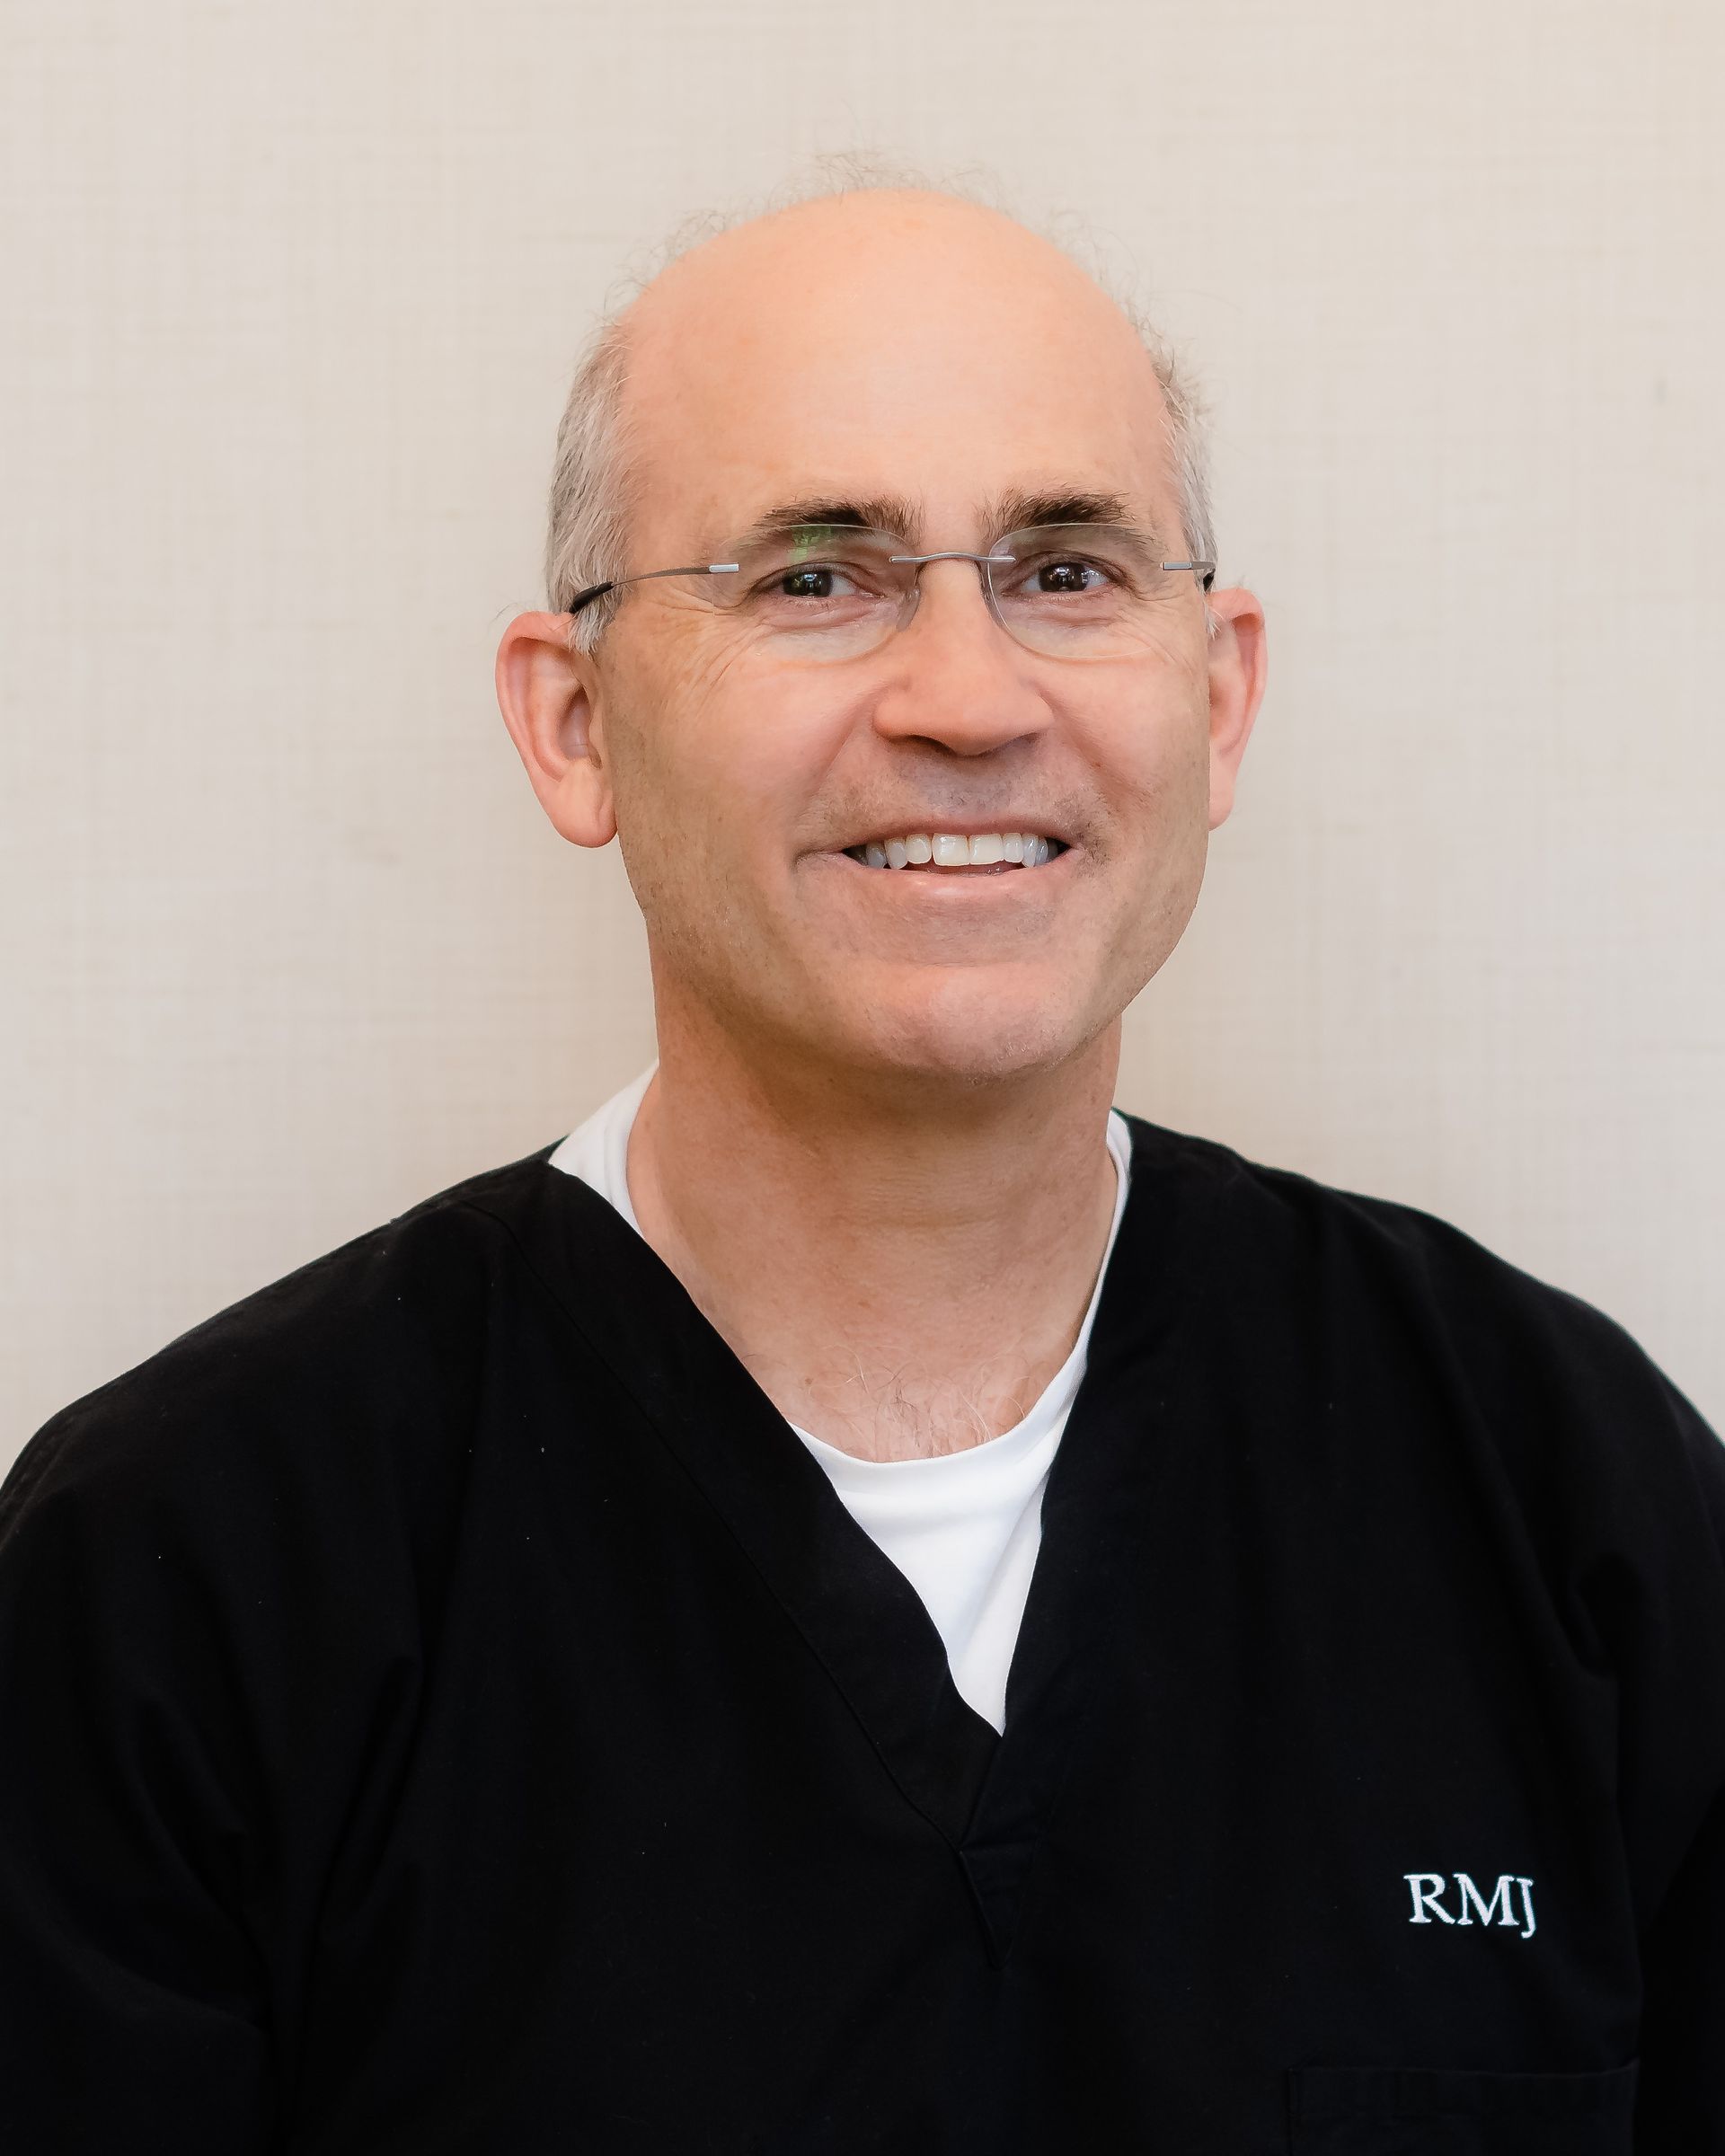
(974, 875)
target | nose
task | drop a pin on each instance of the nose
(954, 675)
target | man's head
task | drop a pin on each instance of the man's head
(899, 344)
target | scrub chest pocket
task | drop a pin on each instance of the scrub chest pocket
(1421, 2111)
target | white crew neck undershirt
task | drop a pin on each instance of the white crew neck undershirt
(964, 1528)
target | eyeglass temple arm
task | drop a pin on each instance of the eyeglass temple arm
(694, 568)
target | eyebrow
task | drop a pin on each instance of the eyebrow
(901, 515)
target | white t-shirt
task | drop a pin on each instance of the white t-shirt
(963, 1528)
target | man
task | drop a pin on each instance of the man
(657, 1648)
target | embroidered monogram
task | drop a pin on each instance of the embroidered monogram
(1428, 1890)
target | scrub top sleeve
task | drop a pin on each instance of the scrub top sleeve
(1681, 2102)
(133, 2010)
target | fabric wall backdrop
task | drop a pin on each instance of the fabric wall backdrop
(292, 296)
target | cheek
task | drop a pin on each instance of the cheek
(672, 750)
(732, 740)
(710, 774)
(1151, 762)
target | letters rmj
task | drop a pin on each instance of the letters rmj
(1428, 1890)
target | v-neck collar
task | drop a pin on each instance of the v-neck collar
(988, 1794)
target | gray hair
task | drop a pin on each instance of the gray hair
(592, 482)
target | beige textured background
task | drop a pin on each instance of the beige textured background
(291, 297)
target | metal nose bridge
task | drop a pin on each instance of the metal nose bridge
(914, 594)
(955, 554)
(913, 591)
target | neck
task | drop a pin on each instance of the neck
(902, 1270)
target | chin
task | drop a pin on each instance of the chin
(969, 1033)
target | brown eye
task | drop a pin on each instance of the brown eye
(813, 582)
(1070, 576)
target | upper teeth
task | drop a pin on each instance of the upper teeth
(952, 850)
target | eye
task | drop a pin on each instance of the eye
(792, 589)
(811, 580)
(1070, 574)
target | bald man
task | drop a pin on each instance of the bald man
(866, 1598)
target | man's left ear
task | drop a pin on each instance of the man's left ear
(549, 695)
(1238, 663)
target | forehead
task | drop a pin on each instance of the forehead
(941, 361)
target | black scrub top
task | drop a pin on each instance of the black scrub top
(446, 1711)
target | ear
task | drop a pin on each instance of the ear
(1238, 662)
(549, 695)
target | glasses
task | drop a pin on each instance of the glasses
(823, 593)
